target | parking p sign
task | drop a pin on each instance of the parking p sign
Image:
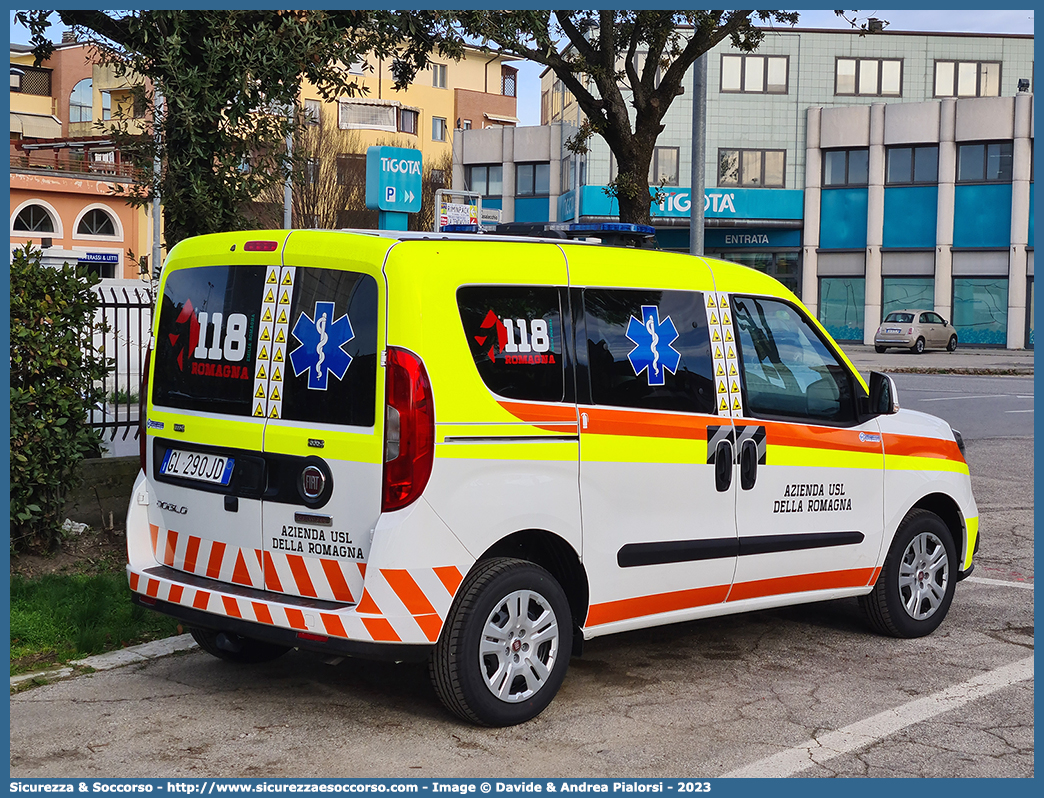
(393, 179)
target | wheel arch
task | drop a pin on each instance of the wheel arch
(557, 557)
(948, 510)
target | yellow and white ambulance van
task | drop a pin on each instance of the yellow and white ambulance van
(482, 451)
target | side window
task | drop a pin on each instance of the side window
(515, 337)
(788, 370)
(926, 318)
(649, 349)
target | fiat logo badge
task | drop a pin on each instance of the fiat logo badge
(313, 481)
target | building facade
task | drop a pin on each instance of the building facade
(864, 172)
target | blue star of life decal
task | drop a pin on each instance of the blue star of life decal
(320, 353)
(653, 351)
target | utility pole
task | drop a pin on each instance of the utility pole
(157, 166)
(699, 154)
(288, 183)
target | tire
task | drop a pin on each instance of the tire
(918, 346)
(951, 345)
(483, 637)
(233, 648)
(880, 349)
(900, 604)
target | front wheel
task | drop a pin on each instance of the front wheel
(505, 647)
(915, 588)
(951, 345)
(234, 648)
(918, 346)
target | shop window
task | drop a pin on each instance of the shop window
(96, 222)
(486, 180)
(532, 179)
(33, 219)
(980, 309)
(967, 78)
(752, 168)
(754, 74)
(906, 293)
(910, 165)
(868, 77)
(842, 303)
(1029, 313)
(984, 163)
(846, 167)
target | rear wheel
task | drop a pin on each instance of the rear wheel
(918, 346)
(505, 647)
(879, 349)
(915, 588)
(951, 345)
(235, 648)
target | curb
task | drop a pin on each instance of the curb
(111, 659)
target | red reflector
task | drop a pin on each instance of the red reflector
(147, 600)
(312, 637)
(260, 246)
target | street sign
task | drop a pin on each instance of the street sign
(393, 179)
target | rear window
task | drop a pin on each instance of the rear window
(515, 337)
(297, 344)
(900, 318)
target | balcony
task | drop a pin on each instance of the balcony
(64, 163)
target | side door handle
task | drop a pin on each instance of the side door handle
(748, 464)
(723, 466)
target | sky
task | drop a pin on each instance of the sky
(1003, 21)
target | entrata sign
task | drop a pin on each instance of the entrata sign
(393, 179)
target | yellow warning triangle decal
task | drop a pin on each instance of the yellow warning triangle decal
(277, 375)
(279, 336)
(274, 413)
(735, 387)
(717, 353)
(728, 334)
(282, 316)
(270, 297)
(736, 404)
(260, 392)
(265, 335)
(287, 279)
(271, 277)
(260, 372)
(721, 386)
(268, 315)
(258, 411)
(724, 302)
(278, 355)
(725, 318)
(713, 318)
(720, 372)
(710, 301)
(731, 354)
(724, 405)
(715, 336)
(284, 299)
(263, 355)
(275, 393)
(732, 370)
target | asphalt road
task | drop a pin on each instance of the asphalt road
(804, 691)
(978, 406)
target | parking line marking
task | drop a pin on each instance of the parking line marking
(982, 580)
(876, 727)
(953, 398)
(1019, 411)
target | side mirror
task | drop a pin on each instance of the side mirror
(884, 399)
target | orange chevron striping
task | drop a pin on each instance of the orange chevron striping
(450, 576)
(176, 592)
(536, 413)
(301, 577)
(800, 583)
(240, 575)
(231, 607)
(191, 552)
(367, 604)
(271, 577)
(217, 554)
(380, 630)
(170, 548)
(640, 606)
(873, 577)
(154, 534)
(408, 591)
(362, 569)
(152, 588)
(296, 618)
(333, 625)
(134, 578)
(602, 421)
(335, 577)
(262, 613)
(914, 446)
(260, 564)
(431, 625)
(201, 600)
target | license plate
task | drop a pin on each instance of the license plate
(212, 468)
(893, 330)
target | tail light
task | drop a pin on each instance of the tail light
(143, 405)
(910, 331)
(409, 430)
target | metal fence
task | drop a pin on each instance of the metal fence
(122, 335)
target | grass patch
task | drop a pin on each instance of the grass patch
(59, 617)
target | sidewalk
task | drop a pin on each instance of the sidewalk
(963, 361)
